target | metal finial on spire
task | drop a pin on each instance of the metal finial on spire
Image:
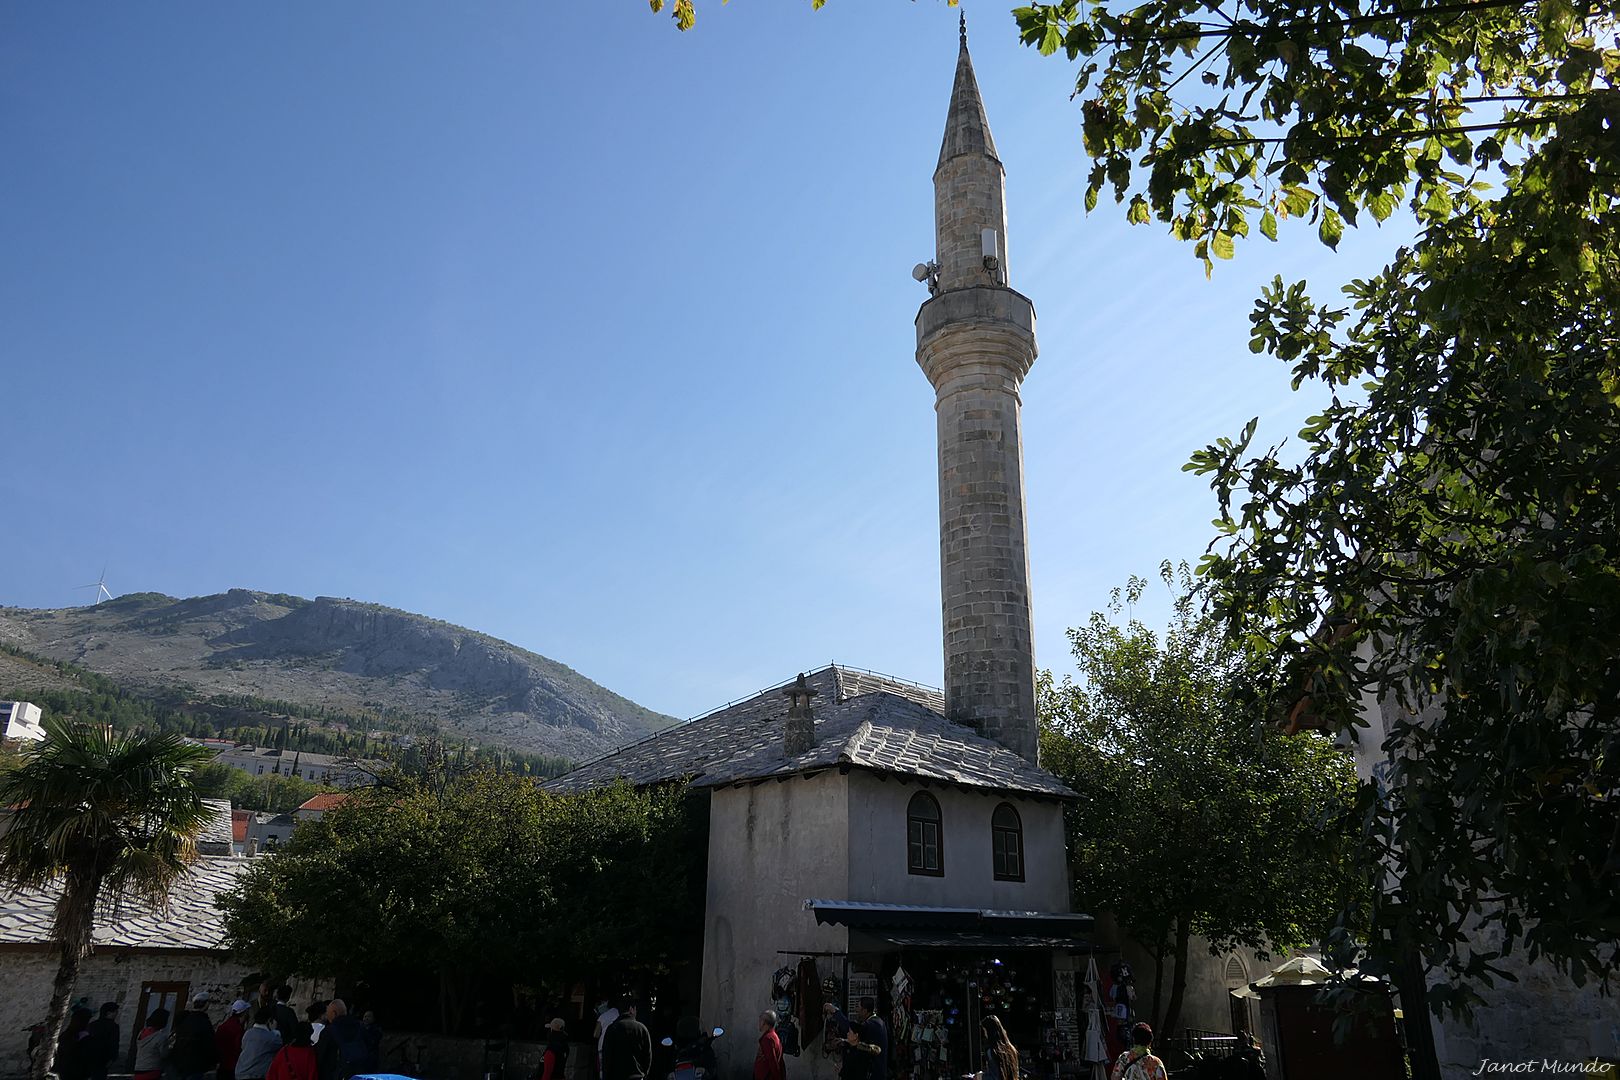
(962, 16)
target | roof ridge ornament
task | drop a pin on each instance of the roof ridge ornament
(962, 24)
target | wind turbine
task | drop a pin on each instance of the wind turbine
(100, 585)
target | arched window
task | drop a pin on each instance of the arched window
(1007, 843)
(925, 845)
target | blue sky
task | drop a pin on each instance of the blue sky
(545, 319)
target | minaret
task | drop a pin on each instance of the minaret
(976, 342)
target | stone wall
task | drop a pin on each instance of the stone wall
(771, 847)
(877, 849)
(107, 975)
(1543, 1015)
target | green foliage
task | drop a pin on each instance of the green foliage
(1321, 111)
(1445, 539)
(102, 815)
(273, 792)
(1194, 816)
(479, 875)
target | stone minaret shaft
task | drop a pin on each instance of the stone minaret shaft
(976, 342)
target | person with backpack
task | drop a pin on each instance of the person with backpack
(1138, 1063)
(342, 1049)
(193, 1052)
(298, 1060)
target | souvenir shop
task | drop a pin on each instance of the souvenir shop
(936, 973)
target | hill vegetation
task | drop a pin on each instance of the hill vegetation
(326, 675)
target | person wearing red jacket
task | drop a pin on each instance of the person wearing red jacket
(768, 1063)
(296, 1060)
(228, 1040)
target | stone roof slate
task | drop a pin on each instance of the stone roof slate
(191, 921)
(863, 720)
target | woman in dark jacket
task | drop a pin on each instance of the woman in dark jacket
(75, 1054)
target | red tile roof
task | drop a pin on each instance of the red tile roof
(239, 825)
(321, 803)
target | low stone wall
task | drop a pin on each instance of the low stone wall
(443, 1057)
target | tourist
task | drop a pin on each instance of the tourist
(315, 1017)
(104, 1032)
(1000, 1056)
(193, 1053)
(342, 1046)
(867, 1044)
(259, 1044)
(374, 1034)
(626, 1046)
(1138, 1063)
(554, 1062)
(77, 1049)
(286, 1019)
(297, 1060)
(152, 1045)
(768, 1063)
(228, 1039)
(606, 1017)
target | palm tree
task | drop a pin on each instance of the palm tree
(105, 816)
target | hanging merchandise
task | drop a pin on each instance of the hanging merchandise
(788, 1032)
(1123, 995)
(807, 999)
(1095, 1052)
(900, 1000)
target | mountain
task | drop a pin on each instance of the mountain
(343, 655)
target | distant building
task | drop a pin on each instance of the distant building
(304, 765)
(21, 720)
(267, 831)
(319, 805)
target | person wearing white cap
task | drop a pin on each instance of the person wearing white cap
(228, 1039)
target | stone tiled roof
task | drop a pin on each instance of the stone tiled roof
(863, 720)
(192, 920)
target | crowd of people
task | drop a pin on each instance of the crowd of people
(262, 1040)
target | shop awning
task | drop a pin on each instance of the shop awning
(1063, 927)
(967, 940)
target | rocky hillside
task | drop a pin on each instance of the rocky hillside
(340, 654)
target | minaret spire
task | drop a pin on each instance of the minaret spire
(968, 184)
(976, 342)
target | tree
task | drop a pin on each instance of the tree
(1446, 540)
(273, 792)
(467, 876)
(1194, 817)
(103, 816)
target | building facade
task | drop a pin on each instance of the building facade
(21, 721)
